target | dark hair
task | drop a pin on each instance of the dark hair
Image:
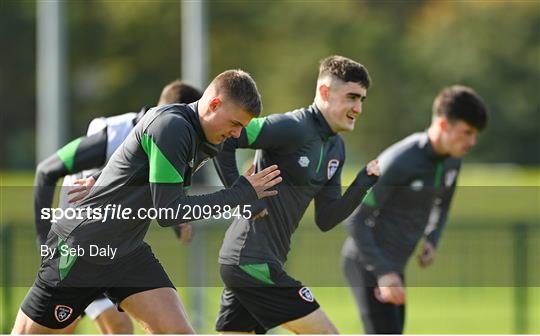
(179, 92)
(240, 87)
(459, 102)
(345, 69)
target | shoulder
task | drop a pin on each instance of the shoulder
(289, 127)
(404, 153)
(167, 121)
(292, 120)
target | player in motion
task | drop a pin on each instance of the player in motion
(83, 157)
(149, 170)
(259, 294)
(410, 200)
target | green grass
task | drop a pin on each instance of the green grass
(477, 251)
(430, 310)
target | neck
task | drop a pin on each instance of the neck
(324, 111)
(201, 115)
(434, 136)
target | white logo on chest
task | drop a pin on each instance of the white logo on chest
(417, 185)
(303, 161)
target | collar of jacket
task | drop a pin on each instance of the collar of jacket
(193, 116)
(426, 146)
(323, 128)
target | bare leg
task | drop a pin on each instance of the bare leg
(111, 321)
(25, 325)
(314, 323)
(159, 311)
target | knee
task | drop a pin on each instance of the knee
(115, 323)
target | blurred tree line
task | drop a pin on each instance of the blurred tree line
(121, 53)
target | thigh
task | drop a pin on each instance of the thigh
(159, 311)
(316, 322)
(234, 317)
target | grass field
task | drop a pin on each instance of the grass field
(469, 290)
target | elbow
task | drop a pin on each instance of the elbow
(168, 222)
(324, 225)
(163, 223)
(325, 228)
(47, 172)
(41, 171)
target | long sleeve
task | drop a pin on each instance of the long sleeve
(363, 221)
(78, 155)
(331, 208)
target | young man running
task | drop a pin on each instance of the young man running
(83, 157)
(259, 294)
(148, 171)
(410, 200)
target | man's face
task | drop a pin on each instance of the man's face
(458, 138)
(226, 120)
(345, 105)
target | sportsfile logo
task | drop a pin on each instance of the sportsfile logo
(62, 312)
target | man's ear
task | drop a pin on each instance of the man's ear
(442, 123)
(214, 104)
(324, 91)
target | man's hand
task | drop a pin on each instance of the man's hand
(373, 168)
(83, 190)
(427, 256)
(390, 289)
(263, 180)
(186, 233)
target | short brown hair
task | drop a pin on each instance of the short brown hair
(179, 92)
(345, 69)
(459, 102)
(240, 87)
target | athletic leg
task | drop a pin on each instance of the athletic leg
(24, 325)
(159, 311)
(316, 322)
